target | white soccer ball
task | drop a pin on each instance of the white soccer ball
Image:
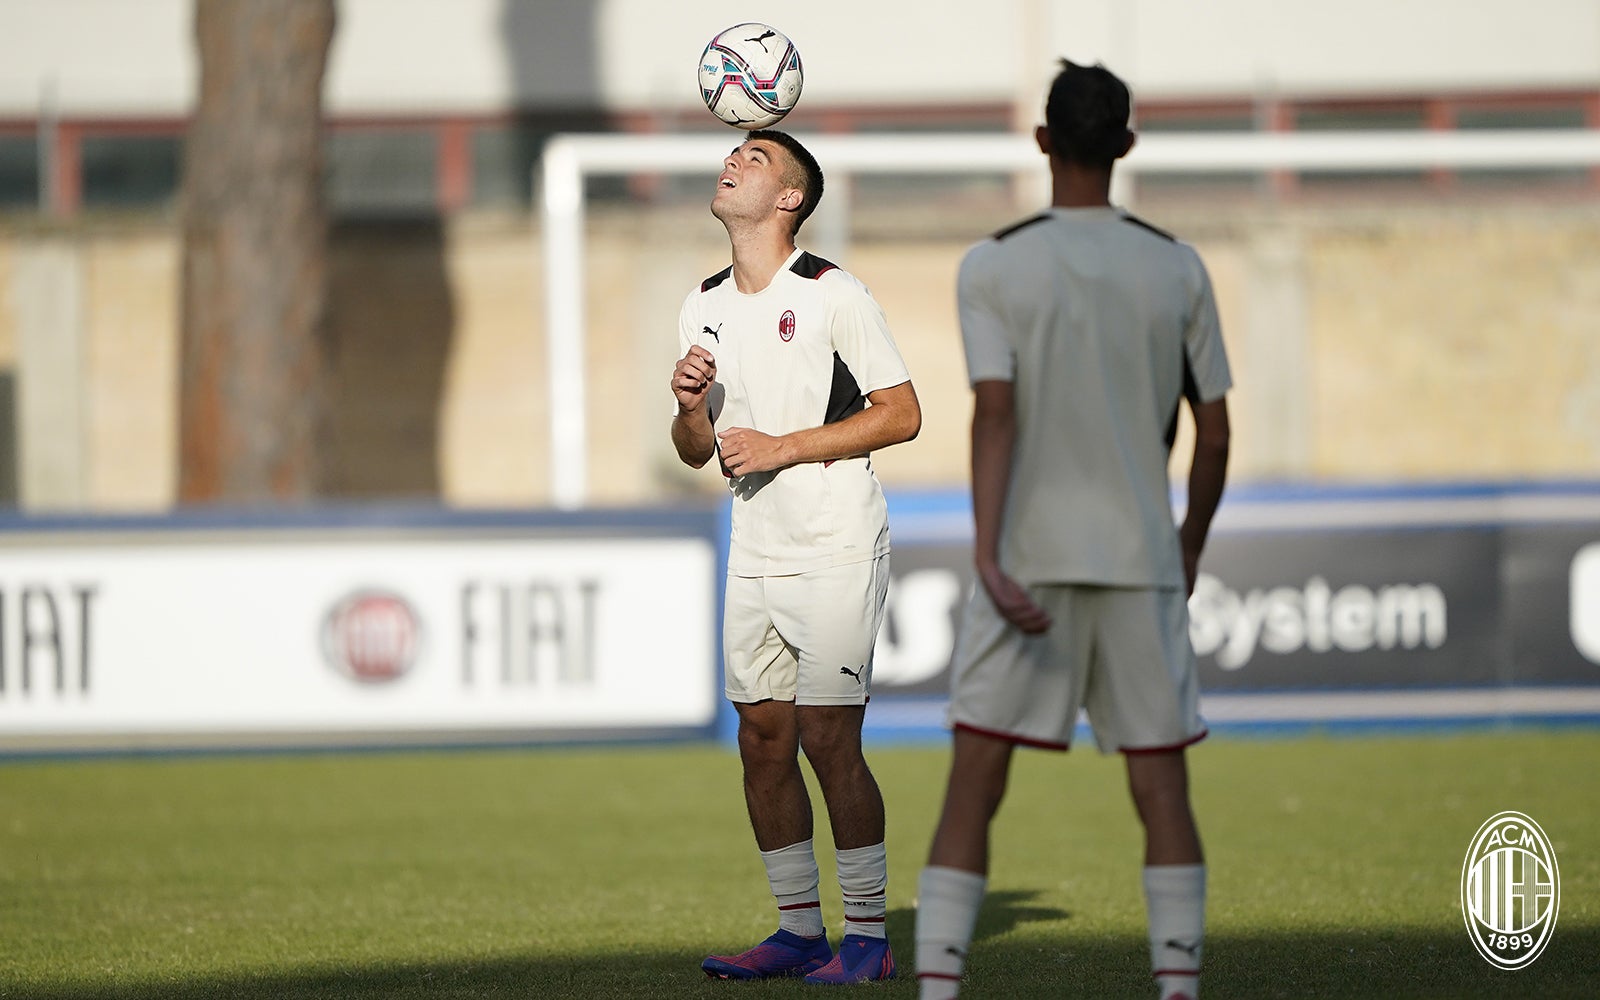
(750, 75)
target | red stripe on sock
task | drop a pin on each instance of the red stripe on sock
(939, 975)
(802, 906)
(862, 920)
(1175, 972)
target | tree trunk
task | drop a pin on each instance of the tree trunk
(255, 254)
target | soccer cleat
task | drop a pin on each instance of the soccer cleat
(861, 959)
(782, 954)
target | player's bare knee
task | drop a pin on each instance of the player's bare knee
(832, 752)
(829, 732)
(765, 738)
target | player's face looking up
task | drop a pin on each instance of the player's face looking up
(758, 179)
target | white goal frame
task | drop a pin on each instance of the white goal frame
(569, 160)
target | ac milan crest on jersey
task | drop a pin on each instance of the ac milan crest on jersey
(786, 325)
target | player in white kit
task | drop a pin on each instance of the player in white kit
(1084, 329)
(789, 378)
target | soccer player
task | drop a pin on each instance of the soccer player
(1083, 329)
(789, 377)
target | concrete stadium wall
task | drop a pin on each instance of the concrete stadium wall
(1399, 343)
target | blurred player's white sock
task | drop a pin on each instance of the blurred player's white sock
(792, 873)
(864, 880)
(948, 900)
(1176, 898)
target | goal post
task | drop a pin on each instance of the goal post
(569, 160)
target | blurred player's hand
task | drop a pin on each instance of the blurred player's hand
(692, 377)
(1012, 601)
(745, 451)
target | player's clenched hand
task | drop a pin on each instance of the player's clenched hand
(744, 451)
(692, 377)
(1011, 599)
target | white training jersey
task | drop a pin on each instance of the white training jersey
(1102, 323)
(802, 352)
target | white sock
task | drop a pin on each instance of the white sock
(1175, 896)
(864, 881)
(792, 873)
(948, 900)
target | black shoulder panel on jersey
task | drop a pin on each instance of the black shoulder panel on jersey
(716, 279)
(845, 398)
(1019, 226)
(1147, 226)
(809, 265)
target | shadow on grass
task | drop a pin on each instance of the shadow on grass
(1346, 964)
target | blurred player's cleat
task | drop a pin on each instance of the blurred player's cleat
(782, 954)
(860, 959)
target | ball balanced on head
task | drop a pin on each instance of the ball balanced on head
(750, 75)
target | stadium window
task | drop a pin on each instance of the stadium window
(504, 154)
(1546, 116)
(19, 171)
(1179, 120)
(1364, 118)
(130, 171)
(1331, 118)
(1511, 117)
(503, 157)
(384, 171)
(915, 197)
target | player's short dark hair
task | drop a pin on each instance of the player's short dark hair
(809, 180)
(1087, 115)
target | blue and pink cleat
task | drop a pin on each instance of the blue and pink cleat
(861, 959)
(782, 954)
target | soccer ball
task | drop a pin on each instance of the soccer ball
(750, 75)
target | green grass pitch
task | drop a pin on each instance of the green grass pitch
(1334, 866)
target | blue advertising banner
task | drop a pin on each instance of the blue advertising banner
(1313, 606)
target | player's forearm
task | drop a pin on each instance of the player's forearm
(1208, 475)
(877, 426)
(994, 437)
(694, 437)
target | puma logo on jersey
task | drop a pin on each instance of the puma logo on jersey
(856, 673)
(713, 333)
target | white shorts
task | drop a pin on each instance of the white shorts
(805, 638)
(1120, 654)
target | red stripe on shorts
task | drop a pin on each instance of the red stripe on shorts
(996, 734)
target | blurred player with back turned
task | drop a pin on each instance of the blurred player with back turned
(789, 377)
(1084, 329)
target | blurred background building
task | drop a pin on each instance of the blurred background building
(1399, 325)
